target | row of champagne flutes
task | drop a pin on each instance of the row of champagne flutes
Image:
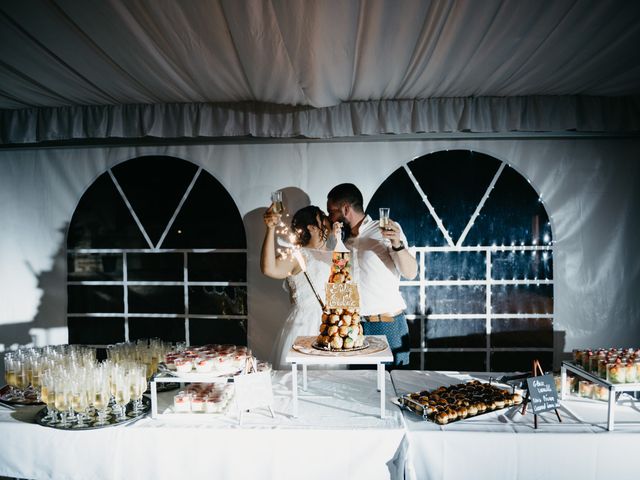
(78, 393)
(24, 367)
(75, 386)
(148, 353)
(75, 393)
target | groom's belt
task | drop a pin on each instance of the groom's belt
(382, 317)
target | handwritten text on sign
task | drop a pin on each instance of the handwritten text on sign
(342, 295)
(543, 394)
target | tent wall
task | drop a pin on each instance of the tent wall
(589, 187)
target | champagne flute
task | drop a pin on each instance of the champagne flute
(10, 372)
(48, 395)
(276, 200)
(138, 385)
(101, 395)
(79, 401)
(123, 394)
(384, 218)
(62, 400)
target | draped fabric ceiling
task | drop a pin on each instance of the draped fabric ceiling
(331, 68)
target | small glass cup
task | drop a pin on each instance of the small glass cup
(276, 200)
(384, 218)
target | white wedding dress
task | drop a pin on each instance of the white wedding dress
(305, 315)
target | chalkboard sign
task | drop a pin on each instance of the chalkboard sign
(542, 393)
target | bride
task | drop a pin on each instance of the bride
(311, 228)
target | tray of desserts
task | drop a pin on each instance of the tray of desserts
(456, 402)
(92, 420)
(13, 396)
(203, 398)
(210, 360)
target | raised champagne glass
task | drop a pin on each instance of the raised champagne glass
(276, 200)
(384, 218)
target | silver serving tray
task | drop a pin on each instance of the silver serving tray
(91, 420)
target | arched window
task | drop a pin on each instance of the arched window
(483, 299)
(156, 248)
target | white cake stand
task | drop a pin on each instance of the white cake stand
(304, 354)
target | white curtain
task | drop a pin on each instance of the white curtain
(443, 115)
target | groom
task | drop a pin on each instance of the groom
(380, 257)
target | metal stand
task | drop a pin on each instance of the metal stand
(615, 389)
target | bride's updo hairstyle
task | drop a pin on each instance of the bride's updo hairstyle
(302, 219)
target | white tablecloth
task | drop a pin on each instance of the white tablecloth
(338, 435)
(505, 445)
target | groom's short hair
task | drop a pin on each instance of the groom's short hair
(349, 193)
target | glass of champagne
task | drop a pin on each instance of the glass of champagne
(276, 200)
(137, 385)
(48, 395)
(35, 363)
(10, 372)
(123, 394)
(79, 402)
(62, 395)
(384, 218)
(22, 377)
(101, 400)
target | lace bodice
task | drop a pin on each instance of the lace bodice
(318, 269)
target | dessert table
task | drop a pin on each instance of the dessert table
(504, 444)
(338, 435)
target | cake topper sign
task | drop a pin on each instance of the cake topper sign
(342, 295)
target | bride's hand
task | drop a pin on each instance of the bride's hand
(271, 219)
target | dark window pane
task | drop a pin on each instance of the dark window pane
(217, 267)
(520, 361)
(156, 299)
(522, 332)
(167, 329)
(208, 219)
(459, 361)
(408, 209)
(455, 266)
(511, 214)
(102, 220)
(415, 335)
(456, 299)
(154, 186)
(458, 333)
(218, 330)
(207, 300)
(454, 182)
(96, 331)
(155, 266)
(411, 297)
(95, 299)
(522, 298)
(521, 265)
(414, 361)
(94, 266)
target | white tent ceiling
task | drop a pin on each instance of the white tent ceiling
(320, 54)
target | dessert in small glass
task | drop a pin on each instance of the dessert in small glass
(616, 371)
(585, 388)
(631, 373)
(182, 403)
(600, 392)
